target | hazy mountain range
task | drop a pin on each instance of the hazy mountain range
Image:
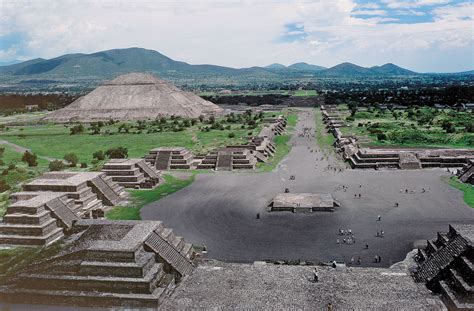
(83, 68)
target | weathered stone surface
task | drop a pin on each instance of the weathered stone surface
(260, 286)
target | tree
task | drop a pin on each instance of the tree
(77, 129)
(381, 136)
(448, 126)
(99, 155)
(117, 153)
(56, 165)
(71, 158)
(231, 135)
(29, 158)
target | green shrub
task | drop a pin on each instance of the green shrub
(56, 165)
(29, 158)
(99, 155)
(117, 153)
(83, 165)
(71, 158)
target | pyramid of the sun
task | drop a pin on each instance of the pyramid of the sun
(134, 96)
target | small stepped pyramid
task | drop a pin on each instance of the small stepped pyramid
(132, 173)
(446, 266)
(166, 158)
(106, 264)
(227, 159)
(40, 218)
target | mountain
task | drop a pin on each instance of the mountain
(392, 69)
(306, 67)
(109, 64)
(76, 71)
(347, 69)
(275, 66)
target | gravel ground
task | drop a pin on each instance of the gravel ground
(219, 210)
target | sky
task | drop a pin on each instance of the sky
(421, 35)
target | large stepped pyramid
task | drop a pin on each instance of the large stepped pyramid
(446, 266)
(134, 96)
(105, 264)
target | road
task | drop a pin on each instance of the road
(219, 209)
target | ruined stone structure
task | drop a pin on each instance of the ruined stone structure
(446, 265)
(227, 159)
(48, 206)
(466, 174)
(134, 96)
(166, 158)
(274, 127)
(303, 202)
(402, 158)
(90, 190)
(132, 173)
(37, 218)
(106, 263)
(261, 148)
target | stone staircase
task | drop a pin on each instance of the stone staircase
(446, 266)
(108, 193)
(466, 175)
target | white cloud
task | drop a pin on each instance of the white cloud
(403, 4)
(242, 33)
(369, 12)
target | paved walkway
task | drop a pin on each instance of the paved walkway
(219, 210)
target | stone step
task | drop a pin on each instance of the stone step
(84, 298)
(460, 283)
(141, 285)
(20, 218)
(24, 209)
(187, 250)
(28, 229)
(116, 172)
(25, 240)
(119, 269)
(452, 301)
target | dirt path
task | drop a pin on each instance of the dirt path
(21, 149)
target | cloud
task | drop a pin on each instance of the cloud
(404, 4)
(247, 33)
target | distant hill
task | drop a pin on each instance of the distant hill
(90, 69)
(275, 66)
(392, 69)
(348, 69)
(307, 67)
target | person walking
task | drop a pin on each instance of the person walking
(379, 217)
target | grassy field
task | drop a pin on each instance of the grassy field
(417, 127)
(55, 140)
(140, 198)
(305, 93)
(325, 140)
(467, 189)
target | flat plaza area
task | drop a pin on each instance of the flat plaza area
(219, 209)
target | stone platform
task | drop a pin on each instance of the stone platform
(105, 263)
(259, 286)
(303, 202)
(132, 173)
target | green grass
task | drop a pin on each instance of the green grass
(54, 140)
(140, 198)
(282, 149)
(411, 128)
(324, 139)
(468, 190)
(292, 120)
(306, 93)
